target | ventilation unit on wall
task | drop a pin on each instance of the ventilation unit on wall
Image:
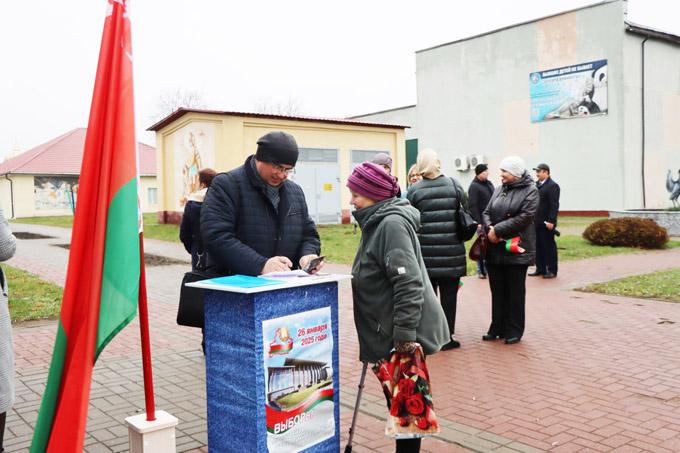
(461, 163)
(476, 160)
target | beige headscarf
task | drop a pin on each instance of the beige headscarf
(428, 164)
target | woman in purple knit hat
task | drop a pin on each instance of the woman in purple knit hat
(394, 304)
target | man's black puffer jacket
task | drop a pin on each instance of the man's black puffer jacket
(241, 229)
(437, 200)
(511, 212)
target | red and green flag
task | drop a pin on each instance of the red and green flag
(104, 269)
(512, 245)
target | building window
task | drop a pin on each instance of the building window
(360, 156)
(318, 155)
(152, 195)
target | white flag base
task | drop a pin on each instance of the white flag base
(157, 436)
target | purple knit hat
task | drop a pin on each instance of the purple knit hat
(372, 181)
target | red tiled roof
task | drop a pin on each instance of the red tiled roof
(63, 156)
(182, 111)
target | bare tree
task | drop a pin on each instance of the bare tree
(288, 107)
(171, 100)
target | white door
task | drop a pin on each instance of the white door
(318, 173)
(328, 194)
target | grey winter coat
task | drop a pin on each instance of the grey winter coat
(437, 200)
(7, 248)
(393, 297)
(511, 212)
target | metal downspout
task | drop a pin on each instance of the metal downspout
(11, 193)
(642, 91)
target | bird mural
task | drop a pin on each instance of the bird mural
(673, 187)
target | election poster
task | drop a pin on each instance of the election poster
(298, 367)
(575, 91)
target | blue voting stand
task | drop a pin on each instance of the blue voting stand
(272, 371)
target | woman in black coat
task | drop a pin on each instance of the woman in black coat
(509, 217)
(190, 229)
(437, 197)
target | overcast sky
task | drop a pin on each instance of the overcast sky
(334, 58)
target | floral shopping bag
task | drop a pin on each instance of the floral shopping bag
(406, 384)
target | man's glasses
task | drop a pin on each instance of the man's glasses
(282, 170)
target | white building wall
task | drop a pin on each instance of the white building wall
(632, 121)
(473, 98)
(404, 116)
(662, 119)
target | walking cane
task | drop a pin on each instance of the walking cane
(348, 448)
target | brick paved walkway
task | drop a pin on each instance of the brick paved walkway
(593, 372)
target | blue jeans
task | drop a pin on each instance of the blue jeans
(481, 267)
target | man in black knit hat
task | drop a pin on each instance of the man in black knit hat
(479, 194)
(254, 220)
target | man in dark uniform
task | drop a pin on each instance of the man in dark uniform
(479, 194)
(546, 222)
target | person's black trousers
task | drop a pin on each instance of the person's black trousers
(546, 251)
(408, 445)
(447, 288)
(2, 430)
(508, 292)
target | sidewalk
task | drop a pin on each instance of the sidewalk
(593, 372)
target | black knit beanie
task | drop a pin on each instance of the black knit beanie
(481, 168)
(277, 147)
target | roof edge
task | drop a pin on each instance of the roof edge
(382, 111)
(182, 111)
(592, 5)
(48, 144)
(650, 32)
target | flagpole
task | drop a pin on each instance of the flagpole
(146, 345)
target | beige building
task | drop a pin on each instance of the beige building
(43, 181)
(189, 140)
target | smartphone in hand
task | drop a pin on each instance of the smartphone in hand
(313, 264)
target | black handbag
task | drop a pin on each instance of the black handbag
(466, 226)
(190, 311)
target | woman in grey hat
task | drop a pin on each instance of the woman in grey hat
(7, 248)
(509, 218)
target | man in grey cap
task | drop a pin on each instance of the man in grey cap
(385, 161)
(254, 220)
(546, 223)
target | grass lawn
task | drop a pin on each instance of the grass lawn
(64, 221)
(576, 248)
(152, 229)
(339, 243)
(161, 231)
(30, 297)
(659, 285)
(576, 221)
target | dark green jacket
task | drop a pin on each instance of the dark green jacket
(437, 200)
(393, 297)
(511, 212)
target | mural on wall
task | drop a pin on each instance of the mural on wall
(194, 150)
(673, 188)
(569, 92)
(55, 192)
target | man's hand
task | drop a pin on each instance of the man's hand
(304, 261)
(491, 235)
(549, 226)
(276, 264)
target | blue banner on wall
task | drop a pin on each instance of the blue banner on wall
(569, 92)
